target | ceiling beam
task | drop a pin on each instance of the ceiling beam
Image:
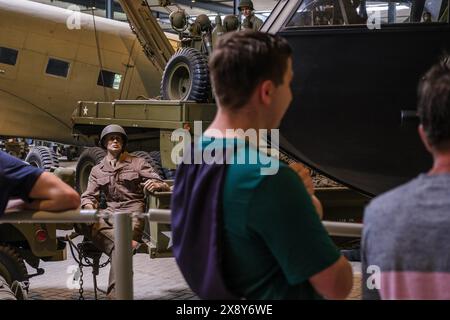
(207, 5)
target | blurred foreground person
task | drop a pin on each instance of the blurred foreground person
(243, 228)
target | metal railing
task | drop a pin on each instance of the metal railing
(343, 229)
(123, 257)
(71, 216)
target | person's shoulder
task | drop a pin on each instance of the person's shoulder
(17, 171)
(12, 164)
(255, 19)
(97, 169)
(262, 168)
(7, 159)
(134, 158)
(392, 200)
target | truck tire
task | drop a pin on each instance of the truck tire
(153, 159)
(167, 173)
(12, 266)
(87, 160)
(42, 157)
(186, 77)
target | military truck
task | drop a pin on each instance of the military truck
(29, 243)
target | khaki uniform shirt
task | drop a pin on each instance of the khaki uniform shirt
(252, 22)
(120, 184)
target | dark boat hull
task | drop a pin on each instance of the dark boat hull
(355, 97)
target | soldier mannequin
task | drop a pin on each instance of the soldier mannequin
(250, 21)
(123, 179)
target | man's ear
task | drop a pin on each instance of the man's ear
(266, 92)
(424, 138)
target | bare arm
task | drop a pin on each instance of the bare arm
(50, 193)
(336, 281)
(305, 176)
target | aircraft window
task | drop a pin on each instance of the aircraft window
(109, 79)
(57, 67)
(8, 56)
(367, 12)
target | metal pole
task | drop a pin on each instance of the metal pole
(72, 216)
(159, 215)
(122, 256)
(109, 9)
(343, 229)
(235, 7)
(392, 12)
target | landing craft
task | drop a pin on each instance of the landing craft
(356, 69)
(48, 63)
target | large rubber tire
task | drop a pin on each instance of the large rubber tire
(152, 159)
(12, 266)
(42, 157)
(186, 77)
(167, 173)
(87, 160)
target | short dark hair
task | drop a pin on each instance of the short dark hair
(434, 102)
(242, 60)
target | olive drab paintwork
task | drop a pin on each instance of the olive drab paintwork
(246, 3)
(252, 22)
(218, 29)
(33, 249)
(178, 20)
(156, 46)
(204, 22)
(113, 128)
(154, 120)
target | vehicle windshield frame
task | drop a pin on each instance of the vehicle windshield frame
(286, 27)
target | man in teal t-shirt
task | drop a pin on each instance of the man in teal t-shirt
(270, 240)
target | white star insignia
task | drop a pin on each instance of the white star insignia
(85, 111)
(168, 234)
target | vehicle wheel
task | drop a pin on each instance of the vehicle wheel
(87, 160)
(153, 159)
(168, 173)
(42, 157)
(186, 77)
(70, 152)
(12, 266)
